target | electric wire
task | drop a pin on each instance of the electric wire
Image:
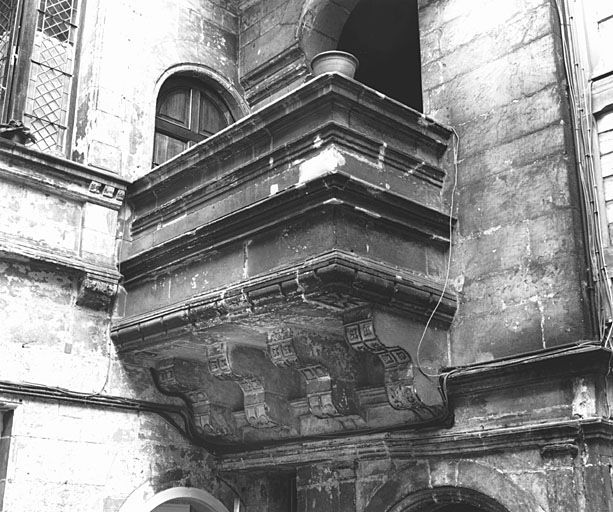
(580, 100)
(456, 152)
(602, 295)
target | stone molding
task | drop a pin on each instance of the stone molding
(329, 134)
(274, 75)
(338, 279)
(329, 192)
(59, 176)
(411, 445)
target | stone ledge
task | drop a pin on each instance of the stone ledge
(60, 176)
(18, 251)
(330, 282)
(98, 285)
(562, 362)
(405, 174)
(331, 191)
(407, 444)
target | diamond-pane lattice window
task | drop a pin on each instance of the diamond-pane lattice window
(42, 78)
(51, 73)
(57, 18)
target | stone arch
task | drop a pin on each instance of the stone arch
(432, 500)
(421, 483)
(210, 78)
(145, 499)
(321, 24)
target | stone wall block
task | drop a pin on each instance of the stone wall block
(43, 218)
(536, 146)
(495, 84)
(501, 200)
(104, 156)
(509, 122)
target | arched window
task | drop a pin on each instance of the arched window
(384, 36)
(187, 112)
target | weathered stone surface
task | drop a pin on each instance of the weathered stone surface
(207, 288)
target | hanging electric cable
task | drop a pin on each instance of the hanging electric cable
(580, 102)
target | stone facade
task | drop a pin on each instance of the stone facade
(336, 302)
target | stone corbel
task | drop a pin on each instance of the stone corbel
(211, 416)
(560, 450)
(96, 293)
(407, 388)
(265, 404)
(327, 395)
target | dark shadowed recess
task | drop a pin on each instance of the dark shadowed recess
(384, 36)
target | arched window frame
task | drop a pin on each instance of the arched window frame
(191, 132)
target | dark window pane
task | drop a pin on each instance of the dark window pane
(212, 119)
(175, 106)
(166, 147)
(384, 36)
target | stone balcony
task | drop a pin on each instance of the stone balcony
(280, 275)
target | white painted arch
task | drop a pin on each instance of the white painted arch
(144, 499)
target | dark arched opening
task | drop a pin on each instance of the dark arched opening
(384, 36)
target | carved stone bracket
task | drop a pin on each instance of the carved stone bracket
(95, 293)
(211, 417)
(263, 409)
(327, 397)
(399, 370)
(560, 450)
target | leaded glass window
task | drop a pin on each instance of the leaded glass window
(39, 85)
